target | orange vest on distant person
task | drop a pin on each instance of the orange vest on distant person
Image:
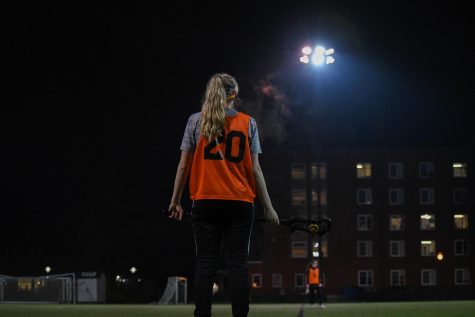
(313, 276)
(222, 168)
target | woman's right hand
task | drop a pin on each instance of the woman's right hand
(176, 211)
(271, 216)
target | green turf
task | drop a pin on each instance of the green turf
(393, 309)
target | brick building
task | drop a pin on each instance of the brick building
(403, 224)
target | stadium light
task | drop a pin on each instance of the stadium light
(318, 56)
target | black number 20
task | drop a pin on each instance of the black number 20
(229, 144)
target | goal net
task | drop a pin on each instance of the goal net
(37, 289)
(176, 291)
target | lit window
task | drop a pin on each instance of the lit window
(462, 276)
(363, 170)
(365, 248)
(396, 170)
(324, 247)
(299, 197)
(299, 280)
(396, 223)
(427, 222)
(462, 247)
(300, 212)
(276, 280)
(460, 170)
(396, 196)
(365, 278)
(426, 170)
(299, 249)
(459, 195)
(397, 248)
(297, 171)
(256, 280)
(428, 277)
(398, 277)
(461, 221)
(428, 248)
(364, 222)
(323, 197)
(322, 173)
(25, 284)
(426, 196)
(364, 196)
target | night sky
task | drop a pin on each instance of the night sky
(95, 100)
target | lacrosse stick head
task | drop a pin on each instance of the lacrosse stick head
(318, 226)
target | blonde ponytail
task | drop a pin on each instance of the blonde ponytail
(218, 90)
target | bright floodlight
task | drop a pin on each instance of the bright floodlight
(48, 269)
(318, 59)
(133, 270)
(318, 56)
(304, 59)
(307, 50)
(329, 60)
(319, 50)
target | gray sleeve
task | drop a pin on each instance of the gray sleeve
(188, 143)
(254, 143)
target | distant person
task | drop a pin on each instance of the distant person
(314, 284)
(220, 147)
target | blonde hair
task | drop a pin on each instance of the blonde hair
(221, 88)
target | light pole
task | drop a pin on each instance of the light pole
(317, 56)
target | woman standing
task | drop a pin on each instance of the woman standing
(220, 147)
(314, 284)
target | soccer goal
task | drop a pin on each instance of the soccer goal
(38, 289)
(176, 291)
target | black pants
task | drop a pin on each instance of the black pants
(315, 292)
(214, 220)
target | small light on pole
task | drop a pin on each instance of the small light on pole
(133, 269)
(47, 270)
(440, 256)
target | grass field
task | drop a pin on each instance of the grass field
(392, 309)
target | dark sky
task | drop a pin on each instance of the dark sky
(95, 99)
